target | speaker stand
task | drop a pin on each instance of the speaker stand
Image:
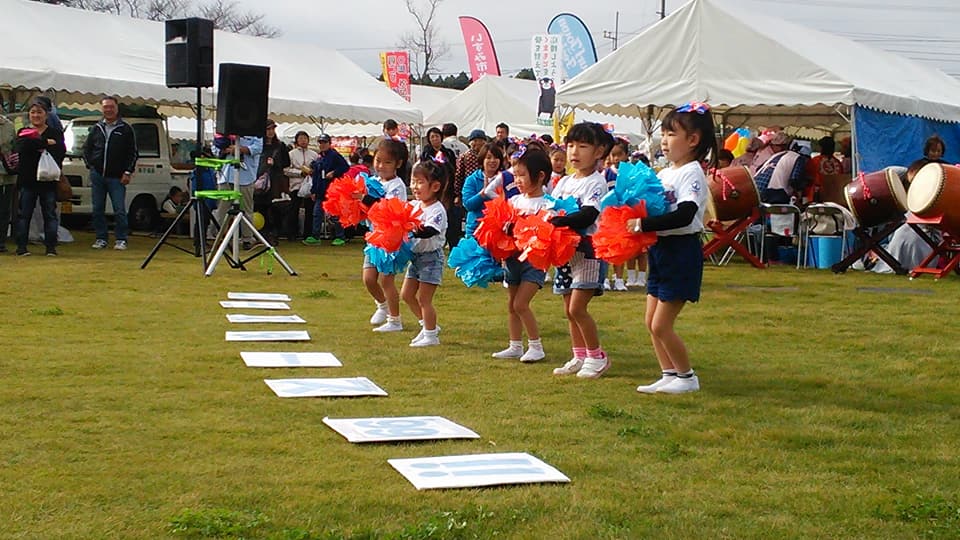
(230, 234)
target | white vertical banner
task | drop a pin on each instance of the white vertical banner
(546, 56)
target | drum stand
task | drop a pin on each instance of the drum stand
(872, 243)
(728, 237)
(948, 248)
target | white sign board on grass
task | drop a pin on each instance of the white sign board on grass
(284, 335)
(476, 470)
(289, 359)
(345, 387)
(241, 319)
(258, 296)
(406, 428)
(244, 304)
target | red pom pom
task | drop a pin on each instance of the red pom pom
(613, 242)
(489, 233)
(341, 200)
(542, 244)
(392, 220)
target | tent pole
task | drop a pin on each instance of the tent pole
(855, 155)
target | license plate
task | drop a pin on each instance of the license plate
(66, 207)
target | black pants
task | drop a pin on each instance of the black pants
(454, 225)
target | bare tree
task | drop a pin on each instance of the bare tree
(226, 15)
(425, 42)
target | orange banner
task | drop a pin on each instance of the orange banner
(396, 71)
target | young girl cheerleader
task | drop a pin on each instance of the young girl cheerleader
(676, 260)
(390, 158)
(582, 278)
(427, 183)
(532, 170)
(558, 162)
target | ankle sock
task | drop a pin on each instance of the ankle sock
(596, 353)
(516, 344)
(686, 374)
(381, 305)
(391, 318)
(580, 352)
(531, 343)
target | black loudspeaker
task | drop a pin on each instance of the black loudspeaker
(242, 99)
(189, 53)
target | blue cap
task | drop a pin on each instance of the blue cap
(477, 134)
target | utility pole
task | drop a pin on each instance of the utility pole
(615, 35)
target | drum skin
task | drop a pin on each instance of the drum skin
(876, 198)
(935, 192)
(733, 193)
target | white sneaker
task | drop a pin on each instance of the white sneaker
(662, 381)
(572, 367)
(428, 340)
(380, 315)
(509, 352)
(594, 367)
(390, 326)
(631, 283)
(618, 285)
(533, 355)
(606, 284)
(680, 385)
(120, 245)
(99, 244)
(641, 283)
(417, 337)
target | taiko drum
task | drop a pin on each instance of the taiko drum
(935, 192)
(876, 198)
(733, 193)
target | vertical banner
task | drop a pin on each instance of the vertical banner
(546, 57)
(579, 52)
(396, 71)
(481, 55)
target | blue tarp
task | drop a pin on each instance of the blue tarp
(885, 139)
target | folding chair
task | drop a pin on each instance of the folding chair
(766, 211)
(814, 215)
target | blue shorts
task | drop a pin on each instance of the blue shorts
(675, 268)
(584, 271)
(426, 267)
(517, 272)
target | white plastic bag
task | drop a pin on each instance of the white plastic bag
(305, 187)
(47, 169)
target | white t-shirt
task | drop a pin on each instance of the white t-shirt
(681, 184)
(588, 192)
(394, 188)
(529, 205)
(434, 216)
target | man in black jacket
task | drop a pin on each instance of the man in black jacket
(110, 153)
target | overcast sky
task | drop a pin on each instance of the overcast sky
(926, 30)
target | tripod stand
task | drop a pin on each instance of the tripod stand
(202, 215)
(229, 234)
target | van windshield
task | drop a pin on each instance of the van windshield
(75, 134)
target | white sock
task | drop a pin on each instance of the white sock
(391, 318)
(531, 344)
(518, 345)
(641, 276)
(430, 333)
(381, 305)
(686, 374)
(631, 275)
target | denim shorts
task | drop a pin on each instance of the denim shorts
(584, 271)
(427, 267)
(675, 268)
(517, 272)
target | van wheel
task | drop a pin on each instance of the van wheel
(143, 214)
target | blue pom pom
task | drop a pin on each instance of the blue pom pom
(636, 182)
(474, 265)
(389, 263)
(374, 187)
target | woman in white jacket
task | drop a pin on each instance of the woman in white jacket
(301, 156)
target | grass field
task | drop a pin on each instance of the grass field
(826, 411)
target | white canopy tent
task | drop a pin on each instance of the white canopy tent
(493, 99)
(86, 54)
(758, 70)
(425, 98)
